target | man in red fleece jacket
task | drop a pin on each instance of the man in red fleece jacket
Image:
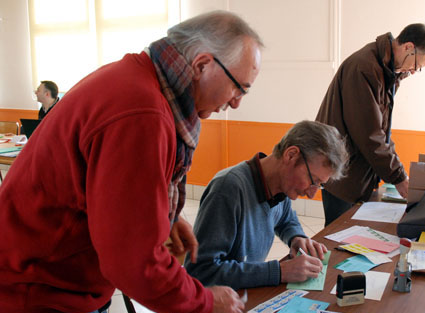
(93, 196)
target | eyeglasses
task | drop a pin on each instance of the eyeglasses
(416, 65)
(313, 184)
(242, 90)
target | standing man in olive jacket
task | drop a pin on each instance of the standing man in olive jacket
(359, 103)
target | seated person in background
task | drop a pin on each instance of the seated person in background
(244, 206)
(47, 95)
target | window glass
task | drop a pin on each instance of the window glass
(135, 8)
(71, 58)
(59, 11)
(71, 38)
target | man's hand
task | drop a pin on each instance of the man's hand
(402, 187)
(311, 247)
(299, 269)
(183, 240)
(226, 300)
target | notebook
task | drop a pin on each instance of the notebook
(28, 126)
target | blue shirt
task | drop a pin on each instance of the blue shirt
(238, 218)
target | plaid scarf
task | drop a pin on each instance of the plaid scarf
(175, 77)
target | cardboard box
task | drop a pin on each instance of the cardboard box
(416, 182)
(414, 195)
(417, 175)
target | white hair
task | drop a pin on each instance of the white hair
(220, 33)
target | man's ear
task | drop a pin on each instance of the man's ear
(291, 153)
(409, 46)
(200, 63)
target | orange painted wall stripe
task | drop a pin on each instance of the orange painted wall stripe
(244, 139)
(14, 115)
(226, 143)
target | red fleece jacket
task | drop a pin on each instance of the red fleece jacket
(84, 208)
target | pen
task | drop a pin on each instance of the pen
(244, 297)
(340, 249)
(303, 252)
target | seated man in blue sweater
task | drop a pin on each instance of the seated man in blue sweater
(244, 206)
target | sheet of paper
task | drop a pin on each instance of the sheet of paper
(373, 256)
(365, 232)
(380, 212)
(348, 232)
(385, 237)
(388, 186)
(12, 154)
(417, 259)
(387, 196)
(10, 149)
(378, 235)
(356, 263)
(375, 285)
(356, 248)
(278, 302)
(362, 231)
(374, 244)
(304, 305)
(392, 195)
(313, 283)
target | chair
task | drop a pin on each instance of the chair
(5, 128)
(9, 127)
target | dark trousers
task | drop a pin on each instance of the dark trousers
(334, 207)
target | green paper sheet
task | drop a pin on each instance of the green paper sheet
(10, 149)
(313, 283)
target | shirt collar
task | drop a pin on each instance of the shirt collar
(261, 189)
(47, 110)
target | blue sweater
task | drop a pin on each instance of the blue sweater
(233, 224)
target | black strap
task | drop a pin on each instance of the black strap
(128, 304)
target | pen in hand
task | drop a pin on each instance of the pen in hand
(303, 253)
(244, 297)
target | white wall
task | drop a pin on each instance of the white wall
(361, 22)
(298, 60)
(15, 59)
(305, 42)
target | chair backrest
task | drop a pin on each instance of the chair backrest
(9, 127)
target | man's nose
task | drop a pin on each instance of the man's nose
(234, 103)
(310, 192)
